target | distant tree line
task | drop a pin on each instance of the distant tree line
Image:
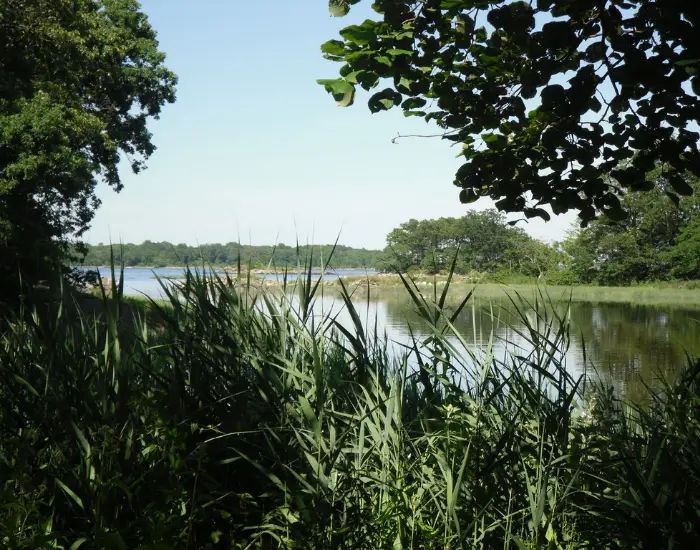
(658, 240)
(482, 241)
(161, 254)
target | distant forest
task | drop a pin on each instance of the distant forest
(161, 254)
(658, 240)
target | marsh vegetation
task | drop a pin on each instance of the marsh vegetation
(225, 418)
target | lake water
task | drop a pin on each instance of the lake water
(139, 281)
(622, 342)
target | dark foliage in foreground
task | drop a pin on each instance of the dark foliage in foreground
(229, 420)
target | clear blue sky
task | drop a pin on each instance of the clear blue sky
(254, 150)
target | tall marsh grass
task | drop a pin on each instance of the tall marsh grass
(226, 418)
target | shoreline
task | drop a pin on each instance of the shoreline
(234, 269)
(678, 293)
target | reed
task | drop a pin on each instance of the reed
(230, 417)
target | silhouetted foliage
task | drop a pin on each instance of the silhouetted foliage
(558, 103)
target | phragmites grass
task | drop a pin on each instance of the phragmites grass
(226, 418)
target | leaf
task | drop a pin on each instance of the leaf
(27, 384)
(342, 90)
(467, 196)
(335, 48)
(536, 212)
(413, 103)
(360, 34)
(81, 439)
(70, 493)
(495, 141)
(338, 8)
(552, 95)
(680, 185)
(386, 99)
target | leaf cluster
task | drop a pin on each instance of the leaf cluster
(548, 99)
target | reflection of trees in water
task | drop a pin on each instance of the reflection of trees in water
(623, 341)
(629, 341)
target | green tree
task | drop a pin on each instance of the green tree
(658, 240)
(484, 240)
(548, 99)
(79, 80)
(684, 257)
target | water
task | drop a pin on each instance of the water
(141, 281)
(621, 342)
(625, 344)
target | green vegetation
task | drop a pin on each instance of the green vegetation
(154, 254)
(227, 416)
(659, 240)
(481, 241)
(219, 423)
(559, 103)
(79, 80)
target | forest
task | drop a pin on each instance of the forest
(280, 256)
(659, 240)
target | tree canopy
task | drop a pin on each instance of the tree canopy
(566, 103)
(482, 241)
(79, 80)
(659, 240)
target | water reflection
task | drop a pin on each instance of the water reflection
(621, 342)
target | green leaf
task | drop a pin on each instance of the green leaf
(495, 141)
(334, 48)
(413, 103)
(360, 34)
(338, 8)
(395, 52)
(386, 99)
(70, 493)
(342, 90)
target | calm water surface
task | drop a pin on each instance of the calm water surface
(621, 342)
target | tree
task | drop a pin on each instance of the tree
(658, 240)
(79, 80)
(684, 257)
(484, 240)
(566, 103)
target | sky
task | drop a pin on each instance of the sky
(255, 151)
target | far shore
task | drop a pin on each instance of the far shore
(391, 287)
(234, 269)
